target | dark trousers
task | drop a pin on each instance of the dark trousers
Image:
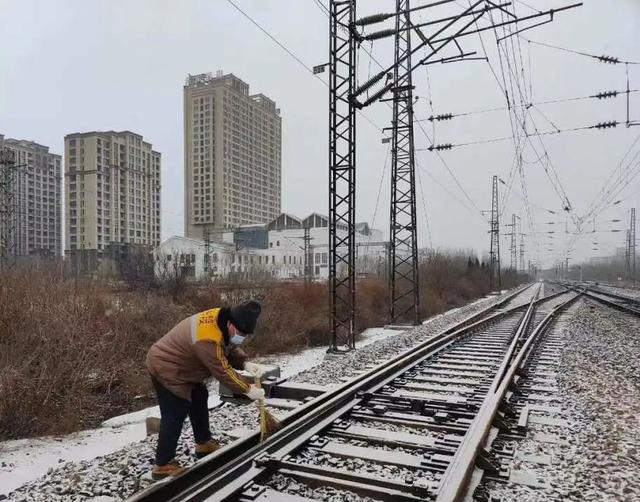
(173, 411)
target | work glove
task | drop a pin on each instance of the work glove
(255, 393)
(256, 369)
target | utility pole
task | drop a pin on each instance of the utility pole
(207, 251)
(627, 253)
(513, 249)
(403, 271)
(307, 249)
(342, 173)
(632, 244)
(522, 252)
(9, 207)
(494, 250)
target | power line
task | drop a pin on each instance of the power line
(601, 95)
(375, 210)
(602, 58)
(556, 131)
(426, 214)
(453, 196)
(292, 54)
(605, 191)
(275, 40)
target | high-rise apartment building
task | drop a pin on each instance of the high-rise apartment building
(36, 199)
(232, 154)
(112, 189)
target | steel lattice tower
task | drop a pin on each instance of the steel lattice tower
(207, 250)
(345, 97)
(521, 252)
(632, 244)
(307, 250)
(494, 251)
(627, 254)
(513, 248)
(403, 263)
(342, 173)
(9, 204)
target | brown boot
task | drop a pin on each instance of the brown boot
(173, 468)
(203, 449)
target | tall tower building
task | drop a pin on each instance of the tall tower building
(112, 189)
(36, 205)
(232, 154)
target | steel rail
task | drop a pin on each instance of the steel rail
(234, 460)
(455, 480)
(635, 310)
(617, 296)
(229, 483)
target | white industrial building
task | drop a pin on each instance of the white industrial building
(276, 250)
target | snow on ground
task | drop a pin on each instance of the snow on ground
(597, 391)
(109, 461)
(617, 290)
(292, 364)
(27, 459)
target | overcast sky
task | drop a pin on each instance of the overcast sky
(76, 65)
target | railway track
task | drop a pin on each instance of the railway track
(535, 423)
(409, 430)
(613, 300)
(619, 302)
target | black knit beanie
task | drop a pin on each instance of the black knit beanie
(245, 316)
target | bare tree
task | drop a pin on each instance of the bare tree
(171, 272)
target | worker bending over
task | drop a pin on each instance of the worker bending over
(201, 346)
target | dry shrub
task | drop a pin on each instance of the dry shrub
(372, 303)
(294, 315)
(72, 353)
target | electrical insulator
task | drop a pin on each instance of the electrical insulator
(439, 118)
(375, 18)
(606, 95)
(608, 59)
(369, 83)
(606, 125)
(377, 35)
(445, 146)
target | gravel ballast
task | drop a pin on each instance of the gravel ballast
(597, 456)
(351, 364)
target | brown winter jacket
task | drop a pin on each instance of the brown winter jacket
(195, 349)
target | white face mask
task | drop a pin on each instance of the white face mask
(237, 339)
